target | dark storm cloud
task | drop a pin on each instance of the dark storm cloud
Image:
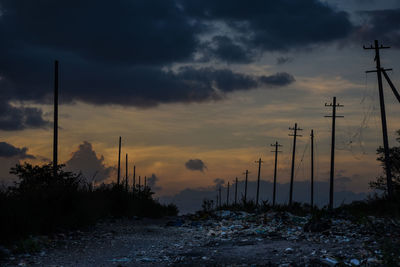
(225, 49)
(283, 60)
(121, 52)
(85, 160)
(10, 151)
(195, 165)
(19, 118)
(275, 25)
(382, 25)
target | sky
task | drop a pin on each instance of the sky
(198, 90)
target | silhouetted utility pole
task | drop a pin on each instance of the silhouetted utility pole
(119, 162)
(139, 187)
(227, 196)
(245, 186)
(126, 173)
(379, 71)
(236, 184)
(145, 182)
(332, 173)
(276, 145)
(134, 178)
(55, 126)
(295, 129)
(312, 169)
(134, 182)
(258, 180)
(220, 199)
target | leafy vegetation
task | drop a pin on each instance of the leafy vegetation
(40, 203)
(394, 158)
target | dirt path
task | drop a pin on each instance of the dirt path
(208, 243)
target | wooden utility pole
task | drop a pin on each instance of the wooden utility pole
(379, 71)
(245, 186)
(145, 182)
(126, 172)
(332, 172)
(236, 184)
(119, 162)
(295, 129)
(139, 187)
(134, 178)
(55, 126)
(134, 182)
(227, 196)
(276, 145)
(220, 199)
(312, 170)
(258, 180)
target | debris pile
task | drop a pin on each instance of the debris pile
(225, 238)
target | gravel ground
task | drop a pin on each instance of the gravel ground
(250, 240)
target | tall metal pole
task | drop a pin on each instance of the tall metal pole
(126, 172)
(295, 129)
(332, 172)
(276, 145)
(145, 182)
(312, 170)
(119, 162)
(236, 184)
(55, 133)
(134, 178)
(220, 199)
(383, 116)
(258, 180)
(227, 196)
(139, 187)
(245, 186)
(134, 182)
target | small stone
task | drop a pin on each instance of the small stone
(355, 262)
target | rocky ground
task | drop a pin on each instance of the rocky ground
(225, 238)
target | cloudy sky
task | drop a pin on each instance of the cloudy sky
(198, 90)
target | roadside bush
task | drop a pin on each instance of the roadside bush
(40, 203)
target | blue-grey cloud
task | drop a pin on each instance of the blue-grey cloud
(283, 60)
(152, 182)
(20, 118)
(382, 25)
(123, 52)
(195, 165)
(9, 151)
(275, 25)
(85, 161)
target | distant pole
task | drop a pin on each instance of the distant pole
(126, 173)
(145, 182)
(312, 170)
(332, 172)
(236, 184)
(276, 145)
(245, 186)
(258, 180)
(134, 182)
(227, 196)
(295, 129)
(379, 70)
(55, 126)
(220, 199)
(139, 186)
(134, 178)
(119, 161)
